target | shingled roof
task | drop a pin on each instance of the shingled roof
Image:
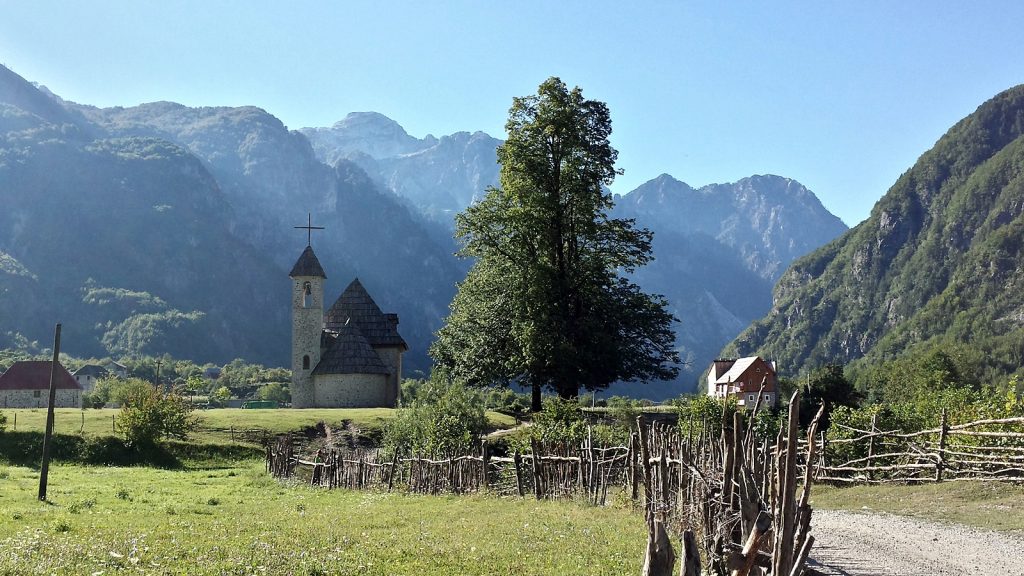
(92, 370)
(356, 305)
(35, 375)
(349, 353)
(307, 265)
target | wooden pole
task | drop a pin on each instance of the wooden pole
(659, 557)
(535, 460)
(645, 458)
(517, 461)
(782, 557)
(758, 531)
(940, 463)
(871, 445)
(689, 556)
(485, 462)
(44, 469)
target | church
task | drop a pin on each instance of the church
(350, 357)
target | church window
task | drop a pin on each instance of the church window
(305, 362)
(307, 295)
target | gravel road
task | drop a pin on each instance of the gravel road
(863, 544)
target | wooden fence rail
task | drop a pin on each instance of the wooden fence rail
(990, 449)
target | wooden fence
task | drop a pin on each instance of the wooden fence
(980, 450)
(733, 498)
(549, 471)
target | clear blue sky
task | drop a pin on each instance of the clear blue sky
(841, 96)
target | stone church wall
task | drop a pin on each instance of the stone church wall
(392, 358)
(352, 390)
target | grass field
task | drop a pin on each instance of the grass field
(240, 521)
(216, 425)
(990, 505)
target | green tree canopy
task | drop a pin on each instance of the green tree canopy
(548, 303)
(826, 385)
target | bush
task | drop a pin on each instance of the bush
(274, 392)
(559, 421)
(443, 420)
(3, 421)
(148, 415)
(506, 400)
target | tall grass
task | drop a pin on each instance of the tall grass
(239, 521)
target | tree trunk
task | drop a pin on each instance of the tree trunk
(535, 405)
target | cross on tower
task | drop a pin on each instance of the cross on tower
(309, 229)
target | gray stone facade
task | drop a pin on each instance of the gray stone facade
(39, 399)
(307, 327)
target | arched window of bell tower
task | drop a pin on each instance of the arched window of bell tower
(307, 295)
(305, 362)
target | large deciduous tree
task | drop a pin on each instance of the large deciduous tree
(547, 302)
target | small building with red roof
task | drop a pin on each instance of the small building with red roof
(745, 379)
(26, 384)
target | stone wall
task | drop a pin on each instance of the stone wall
(392, 358)
(352, 391)
(38, 398)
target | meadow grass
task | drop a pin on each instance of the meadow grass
(240, 521)
(216, 425)
(989, 505)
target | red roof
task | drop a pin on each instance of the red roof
(35, 375)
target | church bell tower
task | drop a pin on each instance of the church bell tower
(307, 324)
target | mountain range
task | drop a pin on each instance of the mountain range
(939, 262)
(161, 228)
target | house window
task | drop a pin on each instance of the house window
(305, 362)
(307, 295)
(750, 398)
(767, 398)
(36, 393)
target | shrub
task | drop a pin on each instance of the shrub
(559, 421)
(274, 391)
(443, 420)
(148, 415)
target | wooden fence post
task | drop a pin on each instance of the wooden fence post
(689, 556)
(630, 458)
(535, 460)
(659, 557)
(871, 445)
(484, 464)
(782, 556)
(940, 463)
(645, 458)
(517, 462)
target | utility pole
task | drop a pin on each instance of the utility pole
(159, 361)
(44, 468)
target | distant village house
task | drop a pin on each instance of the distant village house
(87, 376)
(27, 385)
(742, 378)
(116, 369)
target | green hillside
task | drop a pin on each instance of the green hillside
(938, 263)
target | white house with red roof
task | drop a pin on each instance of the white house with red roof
(743, 378)
(26, 384)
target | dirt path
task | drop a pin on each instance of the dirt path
(869, 544)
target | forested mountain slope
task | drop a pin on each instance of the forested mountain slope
(939, 261)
